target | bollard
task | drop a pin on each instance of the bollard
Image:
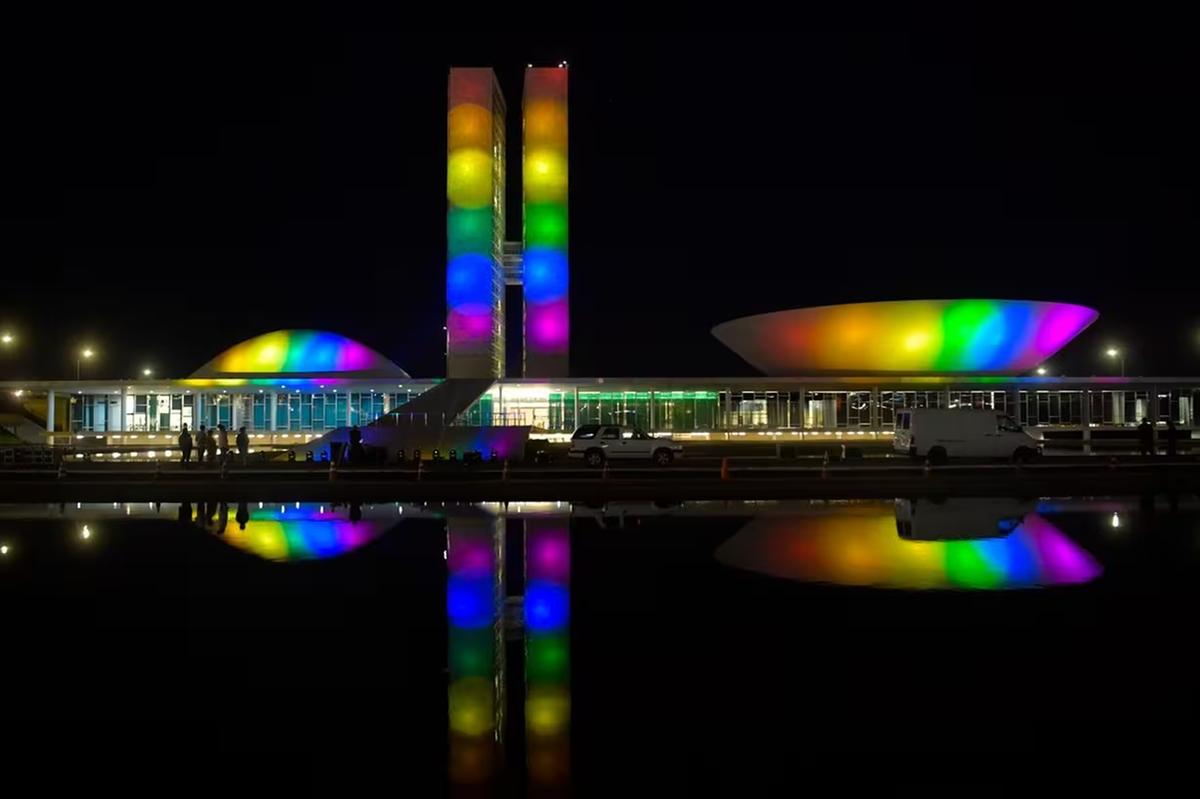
(224, 469)
(926, 468)
(419, 469)
(157, 469)
(62, 470)
(1112, 461)
(604, 471)
(504, 472)
(725, 468)
(825, 465)
(332, 470)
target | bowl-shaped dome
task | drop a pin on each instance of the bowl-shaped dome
(907, 337)
(297, 353)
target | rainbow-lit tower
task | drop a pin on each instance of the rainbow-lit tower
(475, 225)
(544, 179)
(479, 264)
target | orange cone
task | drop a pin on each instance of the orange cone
(725, 468)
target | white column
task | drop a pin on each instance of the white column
(50, 411)
(271, 410)
(120, 421)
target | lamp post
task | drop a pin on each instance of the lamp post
(7, 338)
(1113, 352)
(84, 355)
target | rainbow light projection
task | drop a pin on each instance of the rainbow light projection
(913, 337)
(474, 599)
(858, 545)
(298, 352)
(475, 225)
(284, 532)
(548, 651)
(546, 276)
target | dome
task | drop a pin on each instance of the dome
(299, 353)
(907, 337)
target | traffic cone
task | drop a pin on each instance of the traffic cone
(725, 468)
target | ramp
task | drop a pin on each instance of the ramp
(439, 405)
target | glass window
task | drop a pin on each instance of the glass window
(611, 433)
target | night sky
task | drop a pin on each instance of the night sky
(165, 196)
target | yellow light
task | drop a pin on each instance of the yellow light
(18, 392)
(87, 352)
(4, 547)
(6, 338)
(85, 533)
(147, 372)
(1112, 352)
(916, 340)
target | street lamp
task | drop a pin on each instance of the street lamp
(84, 355)
(1041, 370)
(1113, 352)
(147, 372)
(6, 338)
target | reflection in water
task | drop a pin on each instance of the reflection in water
(291, 532)
(548, 650)
(474, 604)
(859, 544)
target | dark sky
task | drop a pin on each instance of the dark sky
(164, 196)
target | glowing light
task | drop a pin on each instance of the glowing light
(4, 547)
(1116, 519)
(147, 372)
(6, 338)
(295, 351)
(474, 222)
(85, 533)
(87, 352)
(858, 545)
(913, 337)
(545, 183)
(1041, 370)
(1112, 352)
(303, 533)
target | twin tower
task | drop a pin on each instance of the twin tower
(480, 264)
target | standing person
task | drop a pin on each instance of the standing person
(201, 444)
(223, 442)
(1171, 435)
(243, 444)
(185, 445)
(212, 448)
(356, 449)
(1146, 436)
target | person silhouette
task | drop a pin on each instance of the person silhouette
(201, 444)
(185, 445)
(1171, 436)
(243, 515)
(1146, 436)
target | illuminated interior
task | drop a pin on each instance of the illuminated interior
(545, 180)
(912, 337)
(857, 544)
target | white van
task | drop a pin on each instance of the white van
(941, 433)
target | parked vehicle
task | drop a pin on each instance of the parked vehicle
(942, 433)
(596, 443)
(955, 518)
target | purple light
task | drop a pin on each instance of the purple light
(549, 554)
(548, 325)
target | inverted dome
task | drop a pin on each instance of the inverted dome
(298, 353)
(907, 337)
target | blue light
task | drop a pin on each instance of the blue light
(547, 606)
(469, 281)
(546, 274)
(469, 603)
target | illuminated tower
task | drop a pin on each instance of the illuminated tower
(475, 225)
(544, 180)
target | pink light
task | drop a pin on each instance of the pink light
(549, 554)
(469, 556)
(548, 326)
(469, 326)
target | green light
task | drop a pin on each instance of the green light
(546, 225)
(547, 658)
(469, 230)
(966, 566)
(471, 652)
